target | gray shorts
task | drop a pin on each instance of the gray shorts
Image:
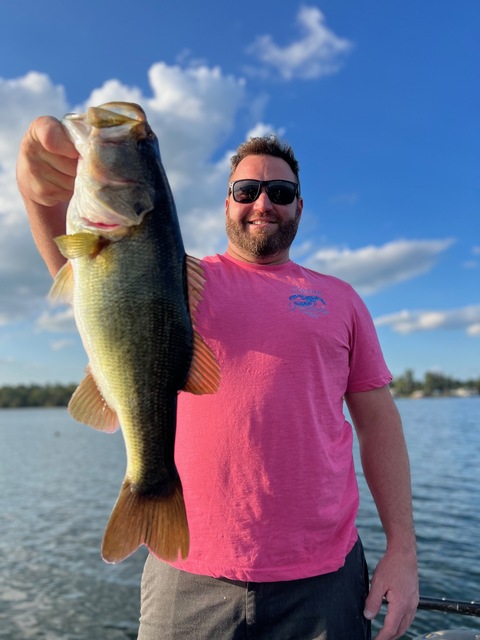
(177, 605)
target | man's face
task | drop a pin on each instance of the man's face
(262, 231)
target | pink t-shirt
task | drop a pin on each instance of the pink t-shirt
(266, 463)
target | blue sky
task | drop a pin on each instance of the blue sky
(379, 99)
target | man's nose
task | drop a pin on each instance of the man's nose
(263, 202)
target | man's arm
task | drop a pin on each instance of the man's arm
(46, 169)
(386, 468)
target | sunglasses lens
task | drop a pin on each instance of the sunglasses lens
(246, 190)
(281, 191)
(278, 191)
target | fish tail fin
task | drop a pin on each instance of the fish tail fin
(159, 522)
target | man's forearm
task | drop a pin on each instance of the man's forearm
(47, 223)
(385, 463)
(387, 471)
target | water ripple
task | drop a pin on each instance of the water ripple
(60, 481)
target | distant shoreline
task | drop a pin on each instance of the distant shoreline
(35, 395)
(58, 395)
(421, 395)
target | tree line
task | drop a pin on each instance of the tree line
(433, 384)
(34, 395)
(57, 395)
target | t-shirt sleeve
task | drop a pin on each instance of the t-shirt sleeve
(368, 369)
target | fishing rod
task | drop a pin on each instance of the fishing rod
(471, 608)
(465, 608)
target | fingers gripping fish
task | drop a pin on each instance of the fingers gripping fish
(133, 290)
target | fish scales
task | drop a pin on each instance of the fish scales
(140, 334)
(133, 290)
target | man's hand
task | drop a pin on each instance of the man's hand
(46, 169)
(47, 163)
(396, 579)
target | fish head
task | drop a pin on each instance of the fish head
(118, 169)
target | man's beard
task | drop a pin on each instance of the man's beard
(262, 245)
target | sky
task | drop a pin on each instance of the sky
(379, 99)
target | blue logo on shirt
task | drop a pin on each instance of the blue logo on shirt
(307, 301)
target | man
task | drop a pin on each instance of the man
(266, 462)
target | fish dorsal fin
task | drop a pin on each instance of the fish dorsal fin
(78, 245)
(196, 283)
(87, 405)
(204, 374)
(62, 287)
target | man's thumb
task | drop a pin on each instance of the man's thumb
(372, 606)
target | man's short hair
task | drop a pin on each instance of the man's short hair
(266, 146)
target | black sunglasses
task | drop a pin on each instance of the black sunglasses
(278, 191)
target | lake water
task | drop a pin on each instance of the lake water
(60, 480)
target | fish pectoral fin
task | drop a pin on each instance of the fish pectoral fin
(204, 374)
(62, 287)
(78, 245)
(159, 522)
(87, 405)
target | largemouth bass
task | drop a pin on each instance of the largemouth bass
(133, 290)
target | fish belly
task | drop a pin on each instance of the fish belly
(132, 313)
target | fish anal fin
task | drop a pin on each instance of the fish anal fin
(62, 287)
(204, 374)
(87, 405)
(159, 522)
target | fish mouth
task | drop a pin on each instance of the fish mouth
(101, 226)
(109, 115)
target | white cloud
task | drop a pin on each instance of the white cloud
(262, 129)
(24, 279)
(372, 268)
(464, 319)
(473, 263)
(21, 100)
(112, 91)
(60, 321)
(474, 330)
(319, 52)
(59, 345)
(192, 110)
